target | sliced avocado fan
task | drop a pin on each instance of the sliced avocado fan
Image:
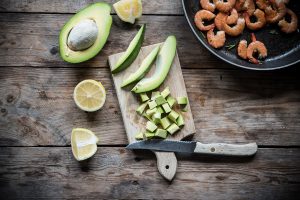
(100, 14)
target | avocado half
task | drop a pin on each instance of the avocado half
(100, 13)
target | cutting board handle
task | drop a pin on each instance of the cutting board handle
(166, 164)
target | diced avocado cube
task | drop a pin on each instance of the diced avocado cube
(156, 117)
(141, 108)
(180, 121)
(154, 95)
(160, 100)
(139, 136)
(161, 133)
(144, 97)
(159, 109)
(173, 116)
(150, 112)
(171, 101)
(172, 129)
(147, 116)
(182, 100)
(149, 135)
(185, 109)
(165, 122)
(165, 92)
(152, 104)
(166, 107)
(150, 126)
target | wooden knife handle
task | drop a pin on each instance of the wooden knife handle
(226, 149)
(166, 164)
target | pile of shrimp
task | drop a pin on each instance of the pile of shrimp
(232, 16)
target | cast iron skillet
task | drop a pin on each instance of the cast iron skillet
(283, 49)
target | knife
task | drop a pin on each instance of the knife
(196, 147)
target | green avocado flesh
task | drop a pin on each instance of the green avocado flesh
(164, 62)
(143, 69)
(100, 14)
(131, 52)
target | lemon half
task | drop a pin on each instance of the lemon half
(89, 95)
(83, 143)
(128, 10)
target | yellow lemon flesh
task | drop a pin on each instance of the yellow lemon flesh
(128, 10)
(89, 95)
(83, 143)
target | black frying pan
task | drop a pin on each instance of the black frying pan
(283, 49)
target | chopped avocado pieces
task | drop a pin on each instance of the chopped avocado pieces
(182, 100)
(171, 101)
(152, 104)
(150, 112)
(165, 122)
(141, 108)
(161, 133)
(160, 100)
(143, 69)
(159, 109)
(150, 126)
(156, 117)
(165, 92)
(154, 95)
(100, 14)
(149, 135)
(147, 116)
(173, 116)
(172, 129)
(166, 107)
(180, 121)
(131, 53)
(164, 62)
(139, 136)
(144, 97)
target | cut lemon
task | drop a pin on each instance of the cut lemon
(89, 95)
(83, 143)
(128, 10)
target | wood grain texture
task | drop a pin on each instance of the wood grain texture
(32, 40)
(231, 106)
(134, 123)
(114, 173)
(166, 7)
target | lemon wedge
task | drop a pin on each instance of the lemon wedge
(83, 143)
(128, 10)
(89, 95)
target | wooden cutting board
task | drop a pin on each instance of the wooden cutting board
(129, 102)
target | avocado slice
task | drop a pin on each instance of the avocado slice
(100, 14)
(164, 62)
(143, 69)
(131, 52)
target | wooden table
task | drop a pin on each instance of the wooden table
(37, 114)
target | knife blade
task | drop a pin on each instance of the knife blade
(196, 147)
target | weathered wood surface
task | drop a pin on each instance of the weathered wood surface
(166, 7)
(32, 40)
(45, 172)
(228, 106)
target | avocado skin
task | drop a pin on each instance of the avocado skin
(129, 60)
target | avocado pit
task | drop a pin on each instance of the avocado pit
(83, 35)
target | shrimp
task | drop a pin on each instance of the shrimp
(224, 6)
(256, 47)
(236, 29)
(242, 49)
(202, 15)
(289, 27)
(233, 17)
(261, 20)
(216, 40)
(262, 4)
(220, 19)
(239, 5)
(249, 7)
(276, 11)
(208, 5)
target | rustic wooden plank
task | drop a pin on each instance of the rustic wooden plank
(165, 7)
(129, 103)
(228, 106)
(43, 172)
(32, 40)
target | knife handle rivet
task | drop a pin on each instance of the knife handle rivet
(212, 149)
